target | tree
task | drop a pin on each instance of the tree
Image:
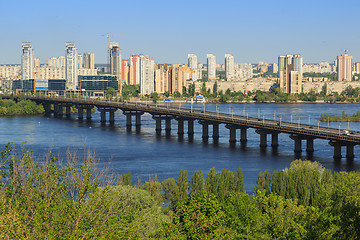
(226, 183)
(110, 93)
(183, 184)
(155, 97)
(203, 89)
(166, 94)
(211, 183)
(197, 182)
(170, 192)
(215, 89)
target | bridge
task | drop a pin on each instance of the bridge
(264, 127)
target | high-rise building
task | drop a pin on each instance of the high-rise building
(71, 61)
(134, 69)
(89, 60)
(115, 60)
(146, 75)
(192, 61)
(27, 61)
(57, 62)
(125, 69)
(357, 67)
(36, 62)
(229, 67)
(211, 67)
(80, 61)
(344, 63)
(290, 73)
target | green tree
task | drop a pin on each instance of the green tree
(155, 97)
(197, 182)
(215, 89)
(183, 184)
(211, 183)
(110, 93)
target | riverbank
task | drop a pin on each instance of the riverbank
(20, 108)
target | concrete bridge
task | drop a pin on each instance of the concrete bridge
(264, 127)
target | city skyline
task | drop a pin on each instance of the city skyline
(169, 31)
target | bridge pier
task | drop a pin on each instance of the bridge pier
(47, 108)
(102, 116)
(68, 111)
(243, 135)
(80, 113)
(274, 140)
(310, 145)
(216, 131)
(88, 113)
(232, 133)
(59, 111)
(180, 126)
(103, 111)
(263, 139)
(56, 110)
(158, 118)
(191, 127)
(205, 131)
(129, 114)
(350, 151)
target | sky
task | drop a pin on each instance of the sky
(167, 30)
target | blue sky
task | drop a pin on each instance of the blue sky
(252, 31)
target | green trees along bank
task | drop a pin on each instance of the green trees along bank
(71, 199)
(21, 107)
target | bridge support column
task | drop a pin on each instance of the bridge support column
(167, 124)
(102, 116)
(128, 120)
(80, 113)
(309, 145)
(138, 120)
(190, 127)
(297, 147)
(205, 131)
(158, 125)
(232, 137)
(243, 135)
(180, 126)
(88, 113)
(337, 148)
(60, 111)
(47, 108)
(274, 140)
(350, 151)
(216, 131)
(112, 116)
(56, 110)
(68, 111)
(263, 139)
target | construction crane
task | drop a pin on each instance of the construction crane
(108, 44)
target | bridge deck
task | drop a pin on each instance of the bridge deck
(222, 118)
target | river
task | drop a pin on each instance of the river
(145, 154)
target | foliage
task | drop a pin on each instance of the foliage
(343, 118)
(110, 93)
(130, 91)
(22, 107)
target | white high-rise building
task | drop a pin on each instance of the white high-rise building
(290, 73)
(211, 67)
(89, 60)
(229, 67)
(115, 60)
(146, 75)
(192, 61)
(71, 61)
(27, 61)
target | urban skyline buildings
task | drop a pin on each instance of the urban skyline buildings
(211, 67)
(290, 73)
(115, 60)
(89, 60)
(229, 67)
(344, 67)
(27, 61)
(71, 61)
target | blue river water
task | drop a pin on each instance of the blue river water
(145, 155)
